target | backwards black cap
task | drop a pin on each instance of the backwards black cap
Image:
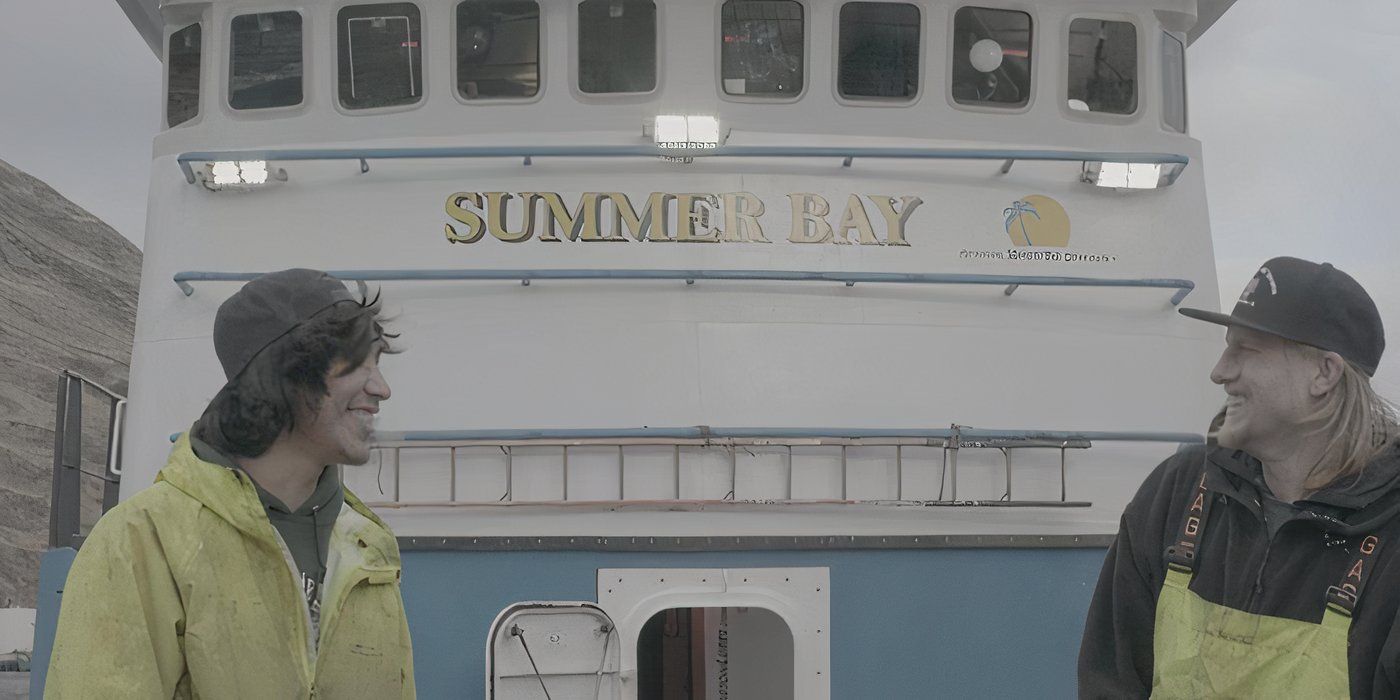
(266, 309)
(1310, 303)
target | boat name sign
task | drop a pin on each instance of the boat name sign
(686, 217)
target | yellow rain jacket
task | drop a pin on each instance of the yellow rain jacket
(186, 590)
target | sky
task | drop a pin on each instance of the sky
(1294, 106)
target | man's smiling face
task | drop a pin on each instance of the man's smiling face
(1267, 381)
(342, 427)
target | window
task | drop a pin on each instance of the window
(761, 49)
(380, 54)
(1102, 66)
(879, 50)
(1173, 83)
(265, 59)
(616, 46)
(991, 57)
(182, 76)
(498, 48)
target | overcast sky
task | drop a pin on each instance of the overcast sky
(1293, 100)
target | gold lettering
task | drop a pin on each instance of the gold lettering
(895, 218)
(1193, 525)
(855, 218)
(651, 225)
(1368, 545)
(740, 219)
(475, 226)
(1355, 571)
(808, 219)
(688, 216)
(496, 216)
(582, 223)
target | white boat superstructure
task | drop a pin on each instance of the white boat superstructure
(700, 300)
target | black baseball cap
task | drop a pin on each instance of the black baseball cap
(1310, 303)
(269, 307)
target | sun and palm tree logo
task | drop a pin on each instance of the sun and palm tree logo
(1036, 220)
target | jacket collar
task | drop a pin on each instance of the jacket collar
(231, 495)
(1371, 496)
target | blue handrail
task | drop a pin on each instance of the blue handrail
(647, 150)
(703, 432)
(1182, 287)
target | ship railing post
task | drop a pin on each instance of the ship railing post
(1006, 455)
(953, 473)
(452, 464)
(397, 462)
(566, 473)
(1063, 479)
(899, 472)
(621, 474)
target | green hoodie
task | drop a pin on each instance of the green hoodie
(185, 590)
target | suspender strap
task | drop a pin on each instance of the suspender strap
(1342, 597)
(1181, 554)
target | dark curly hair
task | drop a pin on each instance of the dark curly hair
(252, 410)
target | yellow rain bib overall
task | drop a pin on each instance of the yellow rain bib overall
(1204, 650)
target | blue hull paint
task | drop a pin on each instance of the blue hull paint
(958, 623)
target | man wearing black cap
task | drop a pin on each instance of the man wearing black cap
(1266, 563)
(248, 570)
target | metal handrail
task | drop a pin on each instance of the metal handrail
(847, 154)
(1183, 287)
(705, 432)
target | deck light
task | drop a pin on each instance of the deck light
(685, 132)
(231, 174)
(1131, 176)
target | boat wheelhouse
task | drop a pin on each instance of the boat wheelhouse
(754, 348)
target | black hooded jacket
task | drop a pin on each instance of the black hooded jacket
(1238, 566)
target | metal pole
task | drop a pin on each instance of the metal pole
(396, 473)
(63, 512)
(1062, 471)
(789, 466)
(621, 475)
(566, 472)
(899, 472)
(843, 472)
(1006, 454)
(452, 461)
(111, 489)
(678, 471)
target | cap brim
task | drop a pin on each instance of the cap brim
(1211, 317)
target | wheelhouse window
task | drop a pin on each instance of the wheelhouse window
(380, 49)
(1103, 66)
(1173, 82)
(498, 49)
(616, 46)
(265, 61)
(761, 50)
(879, 44)
(182, 76)
(991, 57)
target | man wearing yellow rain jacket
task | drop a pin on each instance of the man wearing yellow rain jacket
(247, 570)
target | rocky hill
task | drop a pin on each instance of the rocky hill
(68, 287)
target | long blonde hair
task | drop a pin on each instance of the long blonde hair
(1361, 423)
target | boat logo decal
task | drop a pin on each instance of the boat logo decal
(1036, 220)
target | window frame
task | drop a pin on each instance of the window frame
(610, 97)
(922, 87)
(1162, 37)
(308, 84)
(1103, 117)
(200, 92)
(423, 95)
(1037, 44)
(542, 59)
(718, 38)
